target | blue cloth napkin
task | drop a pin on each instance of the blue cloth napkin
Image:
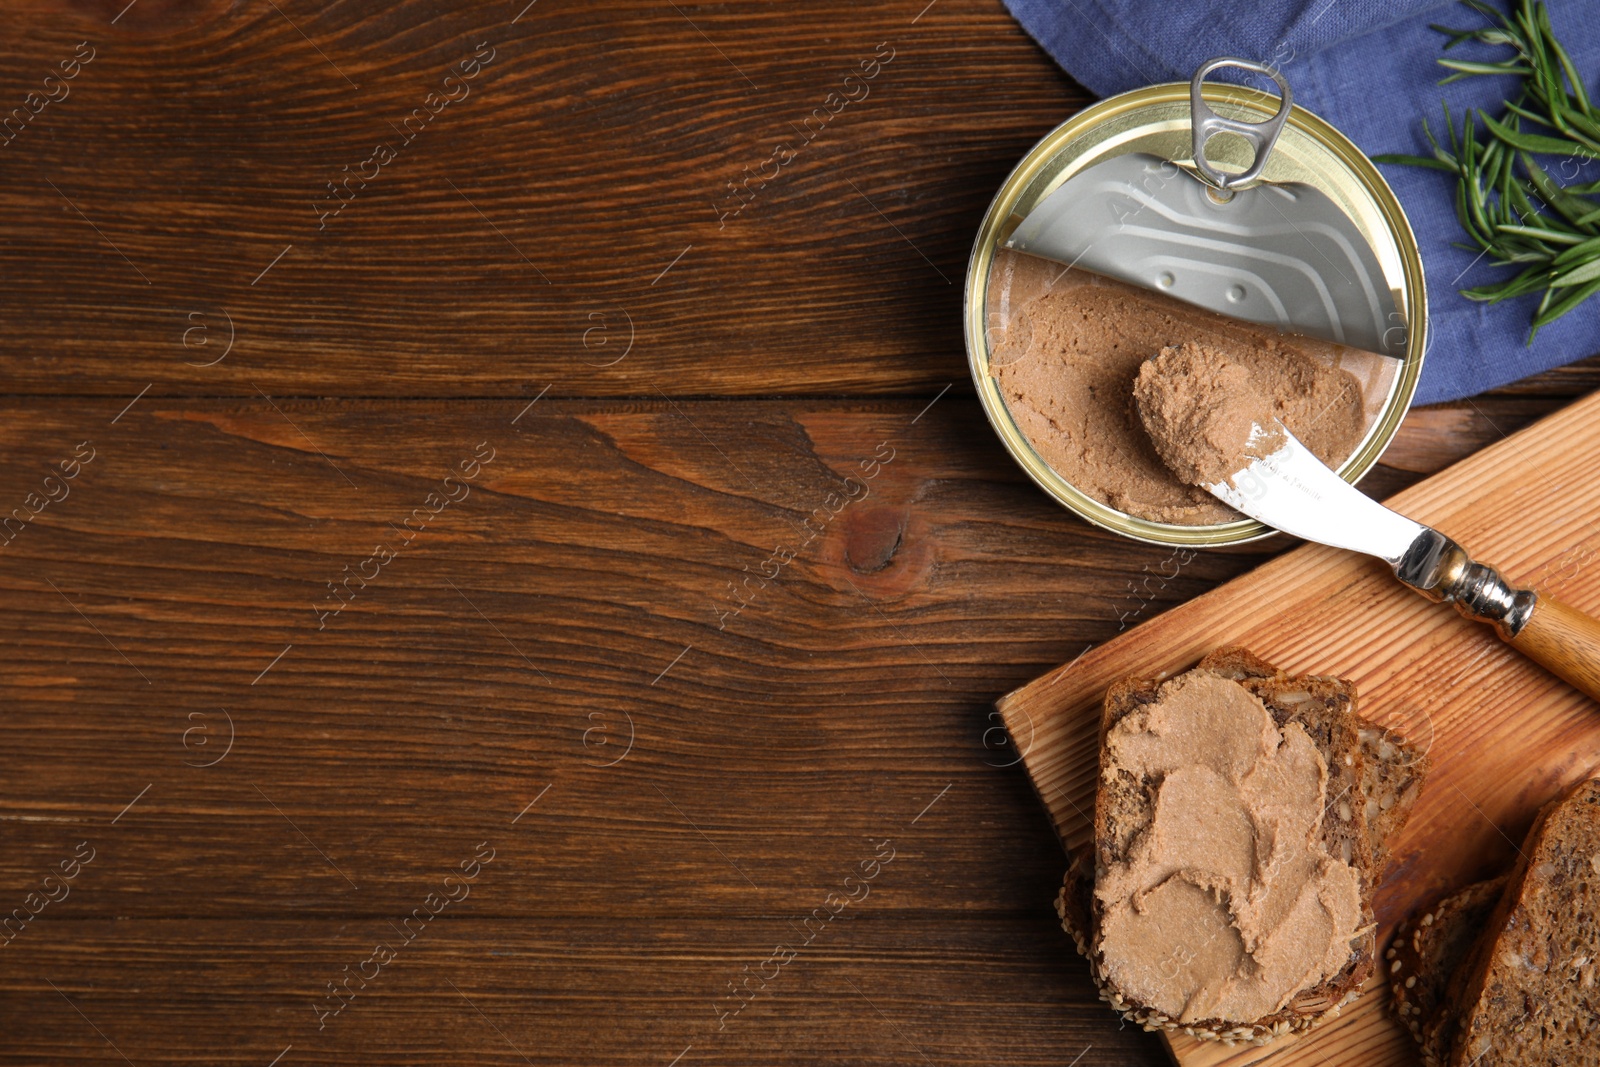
(1369, 67)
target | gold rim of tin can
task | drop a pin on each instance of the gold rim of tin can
(1156, 119)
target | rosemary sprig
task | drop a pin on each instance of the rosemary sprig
(1513, 209)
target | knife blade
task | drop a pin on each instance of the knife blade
(1292, 490)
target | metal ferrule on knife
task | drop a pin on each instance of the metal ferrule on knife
(1441, 570)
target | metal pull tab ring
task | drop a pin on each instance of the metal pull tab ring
(1207, 123)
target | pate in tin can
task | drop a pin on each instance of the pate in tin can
(1202, 212)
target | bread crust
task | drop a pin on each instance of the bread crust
(1518, 967)
(1325, 708)
(1424, 955)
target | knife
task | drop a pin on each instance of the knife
(1293, 491)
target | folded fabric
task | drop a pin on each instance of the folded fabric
(1368, 67)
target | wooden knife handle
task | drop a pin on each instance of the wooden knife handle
(1564, 641)
(1559, 638)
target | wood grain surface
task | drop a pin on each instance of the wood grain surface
(187, 170)
(1503, 735)
(359, 542)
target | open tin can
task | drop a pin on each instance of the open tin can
(1164, 123)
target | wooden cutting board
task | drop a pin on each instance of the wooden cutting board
(1504, 735)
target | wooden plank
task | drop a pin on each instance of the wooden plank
(1504, 735)
(524, 626)
(621, 989)
(572, 206)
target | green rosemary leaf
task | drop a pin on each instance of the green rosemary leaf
(1472, 191)
(1526, 26)
(1583, 131)
(1463, 67)
(1565, 304)
(1450, 129)
(1531, 280)
(1516, 108)
(1505, 180)
(1529, 213)
(1415, 161)
(1570, 207)
(1546, 75)
(1489, 162)
(1433, 142)
(1456, 36)
(1544, 302)
(1465, 216)
(1567, 67)
(1556, 236)
(1585, 272)
(1532, 142)
(1577, 253)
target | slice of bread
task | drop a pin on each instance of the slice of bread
(1324, 708)
(1390, 784)
(1426, 952)
(1530, 993)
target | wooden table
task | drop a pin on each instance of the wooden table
(376, 686)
